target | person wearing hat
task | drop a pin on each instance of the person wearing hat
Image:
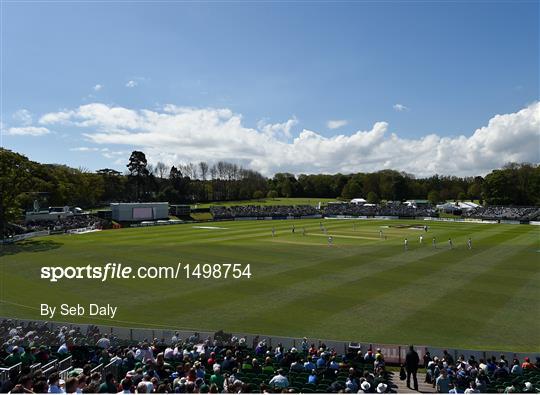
(529, 388)
(365, 386)
(279, 380)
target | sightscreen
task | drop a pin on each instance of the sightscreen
(142, 213)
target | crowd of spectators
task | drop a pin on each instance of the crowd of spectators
(67, 223)
(192, 365)
(394, 210)
(205, 365)
(252, 211)
(348, 209)
(391, 209)
(505, 213)
(492, 375)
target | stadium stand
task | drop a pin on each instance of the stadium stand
(393, 210)
(44, 360)
(222, 212)
(334, 209)
(64, 224)
(505, 213)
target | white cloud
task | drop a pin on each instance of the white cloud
(181, 134)
(336, 123)
(23, 116)
(84, 149)
(131, 84)
(400, 107)
(28, 131)
(98, 87)
(278, 130)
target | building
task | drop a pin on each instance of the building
(52, 214)
(359, 201)
(417, 203)
(133, 212)
(180, 210)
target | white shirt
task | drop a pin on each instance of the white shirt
(279, 381)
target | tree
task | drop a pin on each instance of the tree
(434, 197)
(203, 169)
(114, 185)
(258, 195)
(372, 198)
(272, 194)
(15, 179)
(138, 170)
(161, 169)
(352, 189)
(475, 191)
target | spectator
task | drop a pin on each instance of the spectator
(72, 385)
(279, 380)
(109, 386)
(516, 369)
(411, 365)
(217, 378)
(54, 384)
(443, 382)
(501, 371)
(527, 364)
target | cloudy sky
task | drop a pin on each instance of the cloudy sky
(424, 87)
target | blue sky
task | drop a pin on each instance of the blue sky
(421, 68)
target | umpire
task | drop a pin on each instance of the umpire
(411, 365)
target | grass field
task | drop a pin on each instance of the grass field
(362, 288)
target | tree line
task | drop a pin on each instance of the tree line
(22, 181)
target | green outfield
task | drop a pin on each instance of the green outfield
(363, 288)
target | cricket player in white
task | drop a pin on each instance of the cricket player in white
(469, 244)
(406, 244)
(330, 241)
(421, 239)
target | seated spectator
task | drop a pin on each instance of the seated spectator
(54, 384)
(352, 383)
(501, 371)
(279, 380)
(443, 382)
(365, 386)
(516, 368)
(312, 378)
(309, 365)
(217, 378)
(268, 366)
(527, 364)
